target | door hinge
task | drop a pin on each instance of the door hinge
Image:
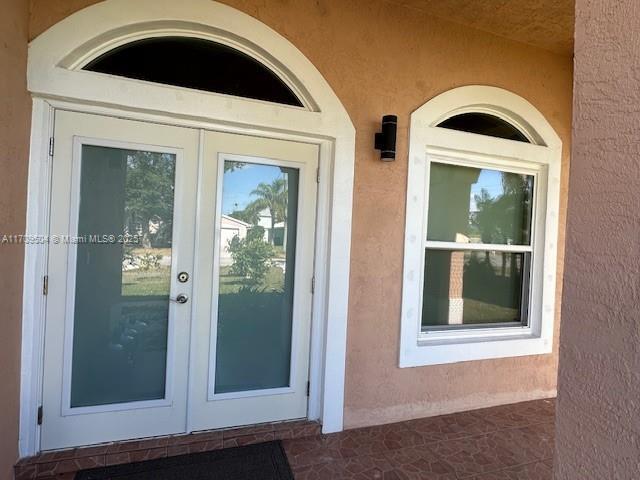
(318, 175)
(308, 388)
(45, 285)
(40, 415)
(51, 146)
(313, 284)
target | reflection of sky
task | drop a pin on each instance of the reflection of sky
(238, 184)
(489, 180)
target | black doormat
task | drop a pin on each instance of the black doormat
(263, 461)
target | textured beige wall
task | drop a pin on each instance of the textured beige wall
(598, 421)
(14, 137)
(380, 58)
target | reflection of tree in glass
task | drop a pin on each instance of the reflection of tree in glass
(251, 256)
(149, 197)
(506, 217)
(270, 196)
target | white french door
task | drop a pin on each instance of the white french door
(179, 274)
(251, 339)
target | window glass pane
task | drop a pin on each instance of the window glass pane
(195, 63)
(473, 287)
(257, 269)
(123, 274)
(484, 124)
(479, 205)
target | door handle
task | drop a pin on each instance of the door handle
(181, 298)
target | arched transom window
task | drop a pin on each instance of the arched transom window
(195, 63)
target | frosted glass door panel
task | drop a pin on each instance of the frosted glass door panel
(257, 252)
(122, 278)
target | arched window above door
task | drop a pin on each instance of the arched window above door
(484, 124)
(195, 63)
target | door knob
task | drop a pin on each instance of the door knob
(182, 298)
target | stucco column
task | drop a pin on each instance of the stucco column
(598, 417)
(14, 143)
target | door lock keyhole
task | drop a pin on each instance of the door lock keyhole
(183, 277)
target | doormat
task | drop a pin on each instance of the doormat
(263, 461)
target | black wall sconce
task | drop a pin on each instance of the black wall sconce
(386, 140)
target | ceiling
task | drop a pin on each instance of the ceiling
(546, 24)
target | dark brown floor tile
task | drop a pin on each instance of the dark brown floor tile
(69, 465)
(91, 451)
(312, 450)
(532, 471)
(371, 440)
(474, 455)
(449, 427)
(535, 442)
(144, 444)
(196, 437)
(296, 429)
(135, 456)
(248, 439)
(367, 467)
(184, 449)
(56, 455)
(519, 414)
(420, 463)
(250, 430)
(62, 476)
(26, 472)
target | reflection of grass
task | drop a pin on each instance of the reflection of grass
(136, 283)
(138, 252)
(480, 312)
(274, 280)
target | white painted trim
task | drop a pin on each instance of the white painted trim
(35, 263)
(325, 122)
(543, 159)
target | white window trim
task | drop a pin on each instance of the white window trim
(541, 158)
(56, 81)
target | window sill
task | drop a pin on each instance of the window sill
(438, 351)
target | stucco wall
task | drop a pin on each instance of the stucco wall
(598, 420)
(14, 139)
(381, 58)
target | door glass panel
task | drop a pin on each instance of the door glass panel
(479, 205)
(123, 274)
(257, 252)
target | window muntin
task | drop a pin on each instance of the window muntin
(195, 63)
(478, 249)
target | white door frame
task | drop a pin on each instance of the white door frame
(56, 81)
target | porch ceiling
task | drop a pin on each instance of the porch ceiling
(546, 24)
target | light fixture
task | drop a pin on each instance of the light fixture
(386, 140)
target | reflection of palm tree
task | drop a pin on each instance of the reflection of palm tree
(272, 197)
(505, 217)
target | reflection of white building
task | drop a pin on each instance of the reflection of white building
(264, 220)
(229, 228)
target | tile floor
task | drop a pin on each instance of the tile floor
(511, 442)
